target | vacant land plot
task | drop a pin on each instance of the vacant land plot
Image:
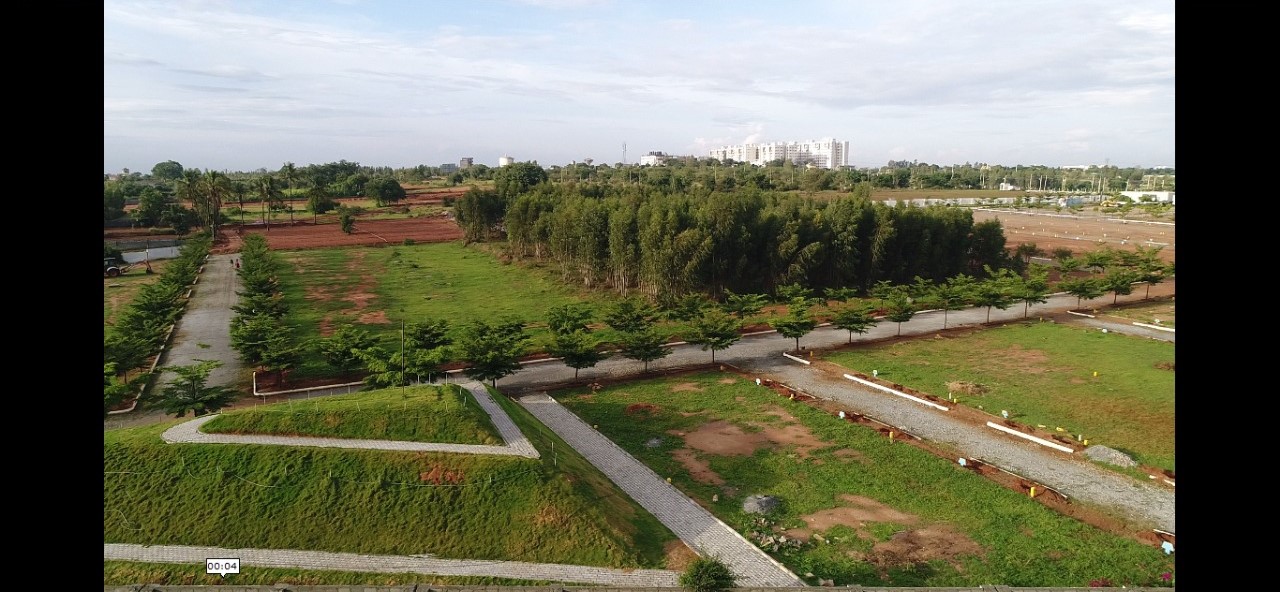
(853, 506)
(1082, 233)
(1044, 374)
(1153, 313)
(417, 414)
(376, 289)
(119, 291)
(555, 509)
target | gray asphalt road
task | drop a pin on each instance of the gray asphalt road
(204, 331)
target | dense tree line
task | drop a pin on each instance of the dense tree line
(258, 331)
(667, 245)
(140, 329)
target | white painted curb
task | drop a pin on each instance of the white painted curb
(802, 361)
(1041, 441)
(899, 393)
(1157, 327)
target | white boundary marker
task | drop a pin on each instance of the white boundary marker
(1158, 327)
(899, 393)
(1081, 314)
(802, 361)
(1041, 441)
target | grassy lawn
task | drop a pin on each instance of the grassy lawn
(119, 291)
(123, 573)
(867, 511)
(556, 509)
(377, 288)
(1042, 373)
(421, 414)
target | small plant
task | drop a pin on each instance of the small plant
(707, 574)
(409, 242)
(348, 221)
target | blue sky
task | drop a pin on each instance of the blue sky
(241, 85)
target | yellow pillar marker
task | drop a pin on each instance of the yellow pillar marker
(1033, 490)
(890, 436)
(1095, 373)
(1086, 442)
(1060, 429)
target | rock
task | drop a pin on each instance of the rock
(653, 442)
(827, 583)
(760, 504)
(1109, 456)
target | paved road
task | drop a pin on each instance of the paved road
(694, 525)
(1079, 480)
(204, 331)
(516, 443)
(551, 572)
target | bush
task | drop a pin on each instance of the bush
(707, 574)
(409, 241)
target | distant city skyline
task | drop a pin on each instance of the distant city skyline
(242, 86)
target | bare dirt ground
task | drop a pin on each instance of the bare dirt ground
(1083, 232)
(305, 235)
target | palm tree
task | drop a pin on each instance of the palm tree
(269, 193)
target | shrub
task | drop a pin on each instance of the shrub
(707, 574)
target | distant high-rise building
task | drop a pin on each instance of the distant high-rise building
(465, 163)
(505, 160)
(827, 153)
(448, 167)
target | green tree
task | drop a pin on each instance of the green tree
(517, 178)
(798, 322)
(319, 202)
(715, 330)
(685, 308)
(114, 392)
(384, 190)
(577, 349)
(1082, 288)
(113, 199)
(152, 206)
(1061, 254)
(340, 350)
(645, 345)
(1119, 281)
(952, 294)
(269, 193)
(854, 319)
(569, 318)
(492, 349)
(743, 305)
(900, 310)
(427, 335)
(1034, 289)
(126, 352)
(479, 211)
(707, 574)
(347, 220)
(280, 353)
(190, 390)
(996, 291)
(631, 315)
(167, 171)
(838, 294)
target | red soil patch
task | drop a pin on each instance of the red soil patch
(378, 317)
(686, 387)
(727, 381)
(724, 438)
(678, 555)
(922, 546)
(644, 409)
(306, 235)
(1090, 232)
(699, 469)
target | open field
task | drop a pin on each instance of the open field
(855, 507)
(1154, 313)
(1043, 374)
(377, 502)
(1082, 233)
(445, 413)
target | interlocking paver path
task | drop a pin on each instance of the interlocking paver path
(516, 443)
(288, 558)
(702, 531)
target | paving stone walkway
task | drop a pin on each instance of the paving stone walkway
(697, 527)
(516, 443)
(550, 572)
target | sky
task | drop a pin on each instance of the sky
(241, 86)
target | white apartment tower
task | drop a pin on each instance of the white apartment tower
(827, 153)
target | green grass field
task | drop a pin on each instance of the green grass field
(421, 414)
(123, 573)
(556, 509)
(119, 291)
(917, 520)
(1042, 373)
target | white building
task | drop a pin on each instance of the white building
(654, 159)
(827, 153)
(505, 160)
(1158, 196)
